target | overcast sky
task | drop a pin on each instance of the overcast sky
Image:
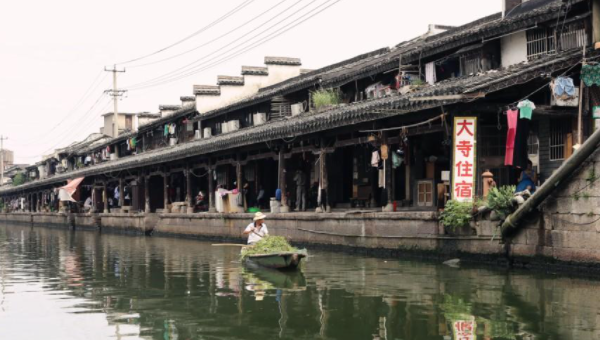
(52, 52)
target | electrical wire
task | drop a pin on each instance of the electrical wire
(211, 41)
(80, 102)
(215, 22)
(256, 44)
(184, 68)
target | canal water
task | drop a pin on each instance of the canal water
(58, 284)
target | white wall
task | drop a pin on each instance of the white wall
(514, 49)
(205, 103)
(279, 73)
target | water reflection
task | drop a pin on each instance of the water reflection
(56, 284)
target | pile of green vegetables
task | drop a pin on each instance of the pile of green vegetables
(269, 245)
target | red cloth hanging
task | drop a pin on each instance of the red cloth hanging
(512, 117)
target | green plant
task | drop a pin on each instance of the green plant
(417, 82)
(591, 177)
(268, 245)
(457, 214)
(576, 196)
(586, 195)
(19, 179)
(500, 200)
(326, 97)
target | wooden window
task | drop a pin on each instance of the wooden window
(573, 35)
(559, 128)
(493, 141)
(540, 42)
(470, 64)
(533, 145)
(425, 193)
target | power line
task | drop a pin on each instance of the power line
(187, 68)
(80, 102)
(268, 38)
(183, 68)
(211, 41)
(220, 19)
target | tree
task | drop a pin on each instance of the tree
(19, 179)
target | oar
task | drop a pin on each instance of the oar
(229, 245)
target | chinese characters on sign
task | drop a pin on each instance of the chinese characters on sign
(464, 151)
(464, 329)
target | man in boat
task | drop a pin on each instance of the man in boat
(257, 229)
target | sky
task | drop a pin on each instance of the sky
(54, 53)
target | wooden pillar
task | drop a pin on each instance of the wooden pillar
(121, 194)
(166, 192)
(282, 182)
(93, 208)
(39, 199)
(105, 197)
(238, 173)
(211, 187)
(147, 193)
(325, 179)
(188, 190)
(388, 179)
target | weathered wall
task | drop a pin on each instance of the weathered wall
(123, 223)
(569, 226)
(514, 49)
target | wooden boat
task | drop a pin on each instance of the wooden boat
(279, 261)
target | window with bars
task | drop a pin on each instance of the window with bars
(533, 145)
(493, 141)
(573, 35)
(540, 42)
(470, 64)
(558, 132)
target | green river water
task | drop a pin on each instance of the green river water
(59, 284)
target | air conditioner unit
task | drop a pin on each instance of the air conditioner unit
(259, 118)
(233, 125)
(207, 132)
(297, 109)
(197, 134)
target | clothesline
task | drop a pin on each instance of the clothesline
(429, 121)
(583, 61)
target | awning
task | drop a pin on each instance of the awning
(65, 193)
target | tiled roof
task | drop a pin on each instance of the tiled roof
(230, 80)
(255, 70)
(342, 115)
(283, 61)
(207, 89)
(169, 107)
(187, 98)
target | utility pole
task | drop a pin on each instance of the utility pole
(2, 139)
(115, 93)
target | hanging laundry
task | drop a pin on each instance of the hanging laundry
(512, 118)
(564, 88)
(381, 178)
(396, 160)
(375, 159)
(590, 74)
(87, 160)
(172, 129)
(166, 130)
(594, 92)
(133, 142)
(521, 152)
(430, 75)
(526, 107)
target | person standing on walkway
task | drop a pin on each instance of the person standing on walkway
(300, 180)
